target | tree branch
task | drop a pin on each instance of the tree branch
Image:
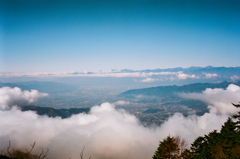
(9, 148)
(28, 152)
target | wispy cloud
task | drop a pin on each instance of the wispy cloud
(84, 74)
(210, 75)
(183, 76)
(148, 80)
(121, 102)
(235, 78)
(147, 75)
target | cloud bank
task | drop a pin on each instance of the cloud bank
(15, 96)
(114, 74)
(105, 132)
(218, 100)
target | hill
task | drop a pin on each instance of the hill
(166, 91)
(52, 112)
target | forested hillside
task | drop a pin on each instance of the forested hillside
(164, 91)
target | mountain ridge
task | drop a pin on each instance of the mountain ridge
(163, 91)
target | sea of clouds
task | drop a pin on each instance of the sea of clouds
(105, 132)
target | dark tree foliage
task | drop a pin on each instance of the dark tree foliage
(4, 157)
(171, 147)
(216, 145)
(223, 144)
(168, 148)
(237, 116)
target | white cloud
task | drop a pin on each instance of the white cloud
(192, 126)
(86, 74)
(210, 75)
(15, 96)
(105, 132)
(235, 78)
(148, 80)
(219, 100)
(183, 76)
(121, 102)
(167, 73)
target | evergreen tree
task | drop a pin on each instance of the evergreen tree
(167, 149)
(237, 116)
(171, 147)
(223, 144)
(216, 145)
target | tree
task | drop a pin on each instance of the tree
(170, 148)
(223, 144)
(215, 145)
(17, 154)
(237, 116)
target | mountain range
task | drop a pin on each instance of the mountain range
(164, 91)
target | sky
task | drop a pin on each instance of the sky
(56, 36)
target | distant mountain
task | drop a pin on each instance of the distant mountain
(166, 98)
(52, 112)
(193, 69)
(127, 78)
(165, 91)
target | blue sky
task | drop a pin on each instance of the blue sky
(49, 36)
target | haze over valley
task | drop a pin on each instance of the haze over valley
(152, 105)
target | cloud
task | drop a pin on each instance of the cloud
(83, 74)
(114, 74)
(218, 100)
(15, 96)
(235, 78)
(210, 75)
(148, 80)
(167, 73)
(121, 102)
(192, 126)
(105, 132)
(183, 76)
